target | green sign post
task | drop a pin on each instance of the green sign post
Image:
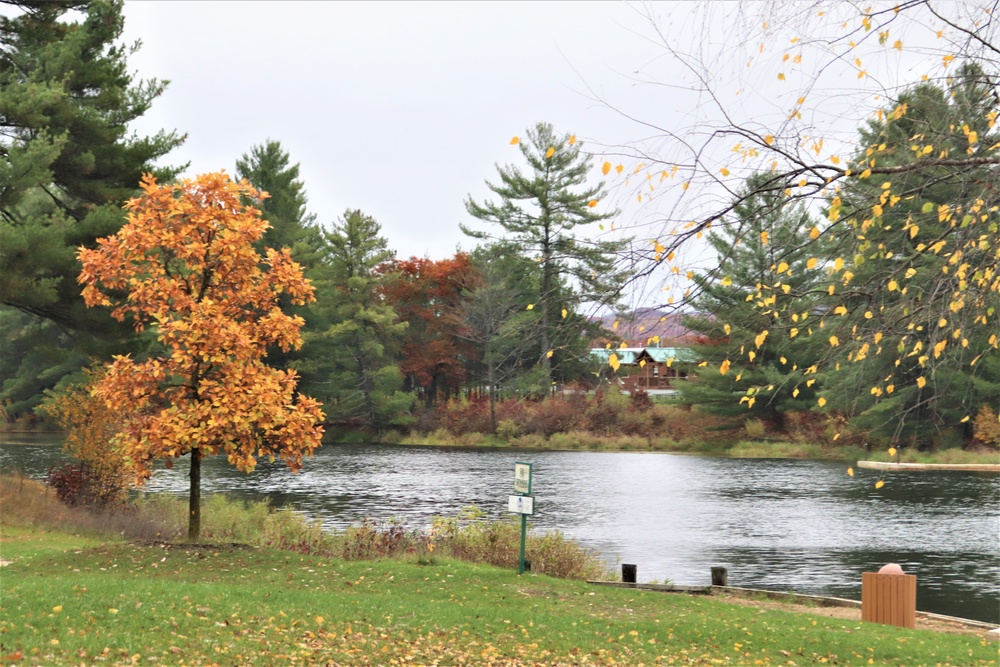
(522, 503)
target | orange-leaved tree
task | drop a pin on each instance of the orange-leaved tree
(184, 266)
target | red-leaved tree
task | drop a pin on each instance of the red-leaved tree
(184, 266)
(427, 294)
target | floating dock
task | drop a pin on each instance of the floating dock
(906, 467)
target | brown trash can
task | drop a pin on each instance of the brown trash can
(890, 599)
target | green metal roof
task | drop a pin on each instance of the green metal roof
(630, 355)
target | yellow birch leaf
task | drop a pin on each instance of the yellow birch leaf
(531, 306)
(549, 353)
(850, 471)
(514, 141)
(572, 139)
(750, 402)
(892, 451)
(921, 381)
(811, 263)
(727, 281)
(834, 342)
(724, 367)
(592, 203)
(613, 362)
(782, 267)
(764, 237)
(565, 313)
(605, 168)
(724, 171)
(549, 153)
(821, 402)
(879, 484)
(727, 328)
(619, 168)
(751, 354)
(769, 140)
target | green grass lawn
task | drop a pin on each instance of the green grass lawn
(73, 601)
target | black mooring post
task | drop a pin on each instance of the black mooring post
(720, 577)
(628, 573)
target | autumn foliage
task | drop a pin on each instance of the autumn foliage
(428, 294)
(102, 475)
(184, 268)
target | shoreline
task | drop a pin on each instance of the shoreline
(978, 461)
(899, 467)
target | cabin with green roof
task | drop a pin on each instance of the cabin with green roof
(656, 370)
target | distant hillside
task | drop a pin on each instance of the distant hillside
(637, 328)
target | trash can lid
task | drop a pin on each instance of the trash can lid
(891, 568)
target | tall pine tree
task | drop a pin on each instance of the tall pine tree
(919, 285)
(69, 163)
(268, 168)
(541, 210)
(766, 243)
(350, 361)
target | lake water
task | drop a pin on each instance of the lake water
(777, 524)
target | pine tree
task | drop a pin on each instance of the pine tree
(541, 210)
(924, 234)
(69, 160)
(350, 361)
(268, 168)
(767, 242)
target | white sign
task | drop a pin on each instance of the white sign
(521, 504)
(522, 478)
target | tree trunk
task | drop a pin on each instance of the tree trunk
(493, 399)
(367, 388)
(546, 297)
(194, 497)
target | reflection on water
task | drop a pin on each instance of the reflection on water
(778, 524)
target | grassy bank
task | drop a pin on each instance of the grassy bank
(584, 441)
(71, 600)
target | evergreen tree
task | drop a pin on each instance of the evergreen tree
(69, 162)
(923, 339)
(765, 243)
(540, 210)
(268, 168)
(350, 362)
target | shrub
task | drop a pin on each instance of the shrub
(473, 538)
(553, 415)
(986, 427)
(104, 475)
(754, 428)
(507, 429)
(640, 400)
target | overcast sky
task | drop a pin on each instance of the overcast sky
(403, 109)
(400, 110)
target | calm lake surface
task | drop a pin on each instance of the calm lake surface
(793, 525)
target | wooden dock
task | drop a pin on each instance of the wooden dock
(906, 467)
